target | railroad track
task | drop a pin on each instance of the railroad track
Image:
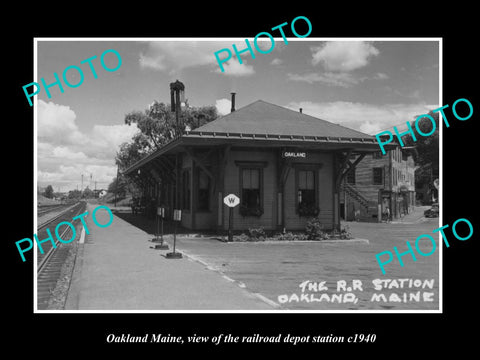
(47, 222)
(42, 210)
(49, 264)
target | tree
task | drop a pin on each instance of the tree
(49, 192)
(427, 147)
(74, 194)
(131, 152)
(426, 151)
(157, 126)
(118, 187)
(87, 193)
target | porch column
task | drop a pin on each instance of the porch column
(220, 184)
(193, 195)
(283, 167)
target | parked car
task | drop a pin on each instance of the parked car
(432, 212)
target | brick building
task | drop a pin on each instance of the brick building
(379, 180)
(285, 166)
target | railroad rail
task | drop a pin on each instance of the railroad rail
(42, 210)
(51, 220)
(49, 264)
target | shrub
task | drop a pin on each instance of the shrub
(345, 233)
(314, 230)
(289, 236)
(242, 237)
(257, 234)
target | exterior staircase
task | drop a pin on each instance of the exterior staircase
(356, 195)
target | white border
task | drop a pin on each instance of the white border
(390, 39)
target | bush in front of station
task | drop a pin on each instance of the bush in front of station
(314, 231)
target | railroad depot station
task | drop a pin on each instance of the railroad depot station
(284, 165)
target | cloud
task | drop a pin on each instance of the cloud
(56, 123)
(153, 62)
(333, 79)
(343, 55)
(68, 154)
(64, 152)
(174, 56)
(106, 139)
(168, 55)
(342, 79)
(370, 127)
(276, 61)
(234, 68)
(223, 106)
(381, 76)
(367, 118)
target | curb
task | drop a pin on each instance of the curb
(290, 242)
(73, 296)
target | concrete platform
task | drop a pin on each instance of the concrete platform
(116, 269)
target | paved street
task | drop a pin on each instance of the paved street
(277, 270)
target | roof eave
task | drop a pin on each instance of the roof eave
(193, 138)
(168, 147)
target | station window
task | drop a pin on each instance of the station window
(377, 176)
(203, 186)
(251, 190)
(251, 187)
(306, 192)
(186, 190)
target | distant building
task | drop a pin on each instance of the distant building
(98, 193)
(386, 180)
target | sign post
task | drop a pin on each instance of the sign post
(231, 200)
(160, 215)
(177, 216)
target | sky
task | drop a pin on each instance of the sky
(368, 85)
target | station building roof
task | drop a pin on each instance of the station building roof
(262, 118)
(264, 124)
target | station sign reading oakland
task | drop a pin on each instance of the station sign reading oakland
(294, 154)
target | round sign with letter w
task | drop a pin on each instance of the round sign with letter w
(231, 200)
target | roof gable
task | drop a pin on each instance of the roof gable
(261, 117)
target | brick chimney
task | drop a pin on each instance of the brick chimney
(233, 102)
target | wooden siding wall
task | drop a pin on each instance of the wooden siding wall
(394, 171)
(269, 219)
(232, 186)
(324, 190)
(364, 176)
(203, 219)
